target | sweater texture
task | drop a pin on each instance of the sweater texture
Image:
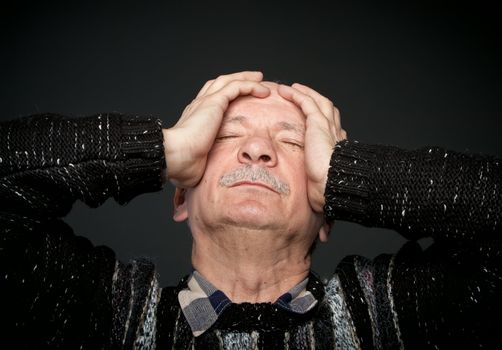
(58, 291)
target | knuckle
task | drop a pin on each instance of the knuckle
(216, 100)
(308, 99)
(231, 86)
(242, 83)
(220, 80)
(326, 101)
(192, 103)
(185, 111)
(235, 82)
(196, 101)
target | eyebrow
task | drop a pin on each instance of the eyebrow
(291, 127)
(283, 125)
(237, 119)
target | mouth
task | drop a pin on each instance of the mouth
(256, 184)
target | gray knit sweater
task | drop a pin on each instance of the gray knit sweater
(58, 291)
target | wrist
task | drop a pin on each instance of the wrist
(168, 150)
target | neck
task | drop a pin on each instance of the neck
(247, 270)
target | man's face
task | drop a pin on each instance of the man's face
(255, 174)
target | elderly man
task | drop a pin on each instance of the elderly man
(261, 171)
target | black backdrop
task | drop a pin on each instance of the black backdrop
(408, 73)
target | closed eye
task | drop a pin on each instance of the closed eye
(226, 137)
(294, 143)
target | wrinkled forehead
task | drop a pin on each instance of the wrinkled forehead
(273, 106)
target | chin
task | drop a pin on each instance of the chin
(252, 216)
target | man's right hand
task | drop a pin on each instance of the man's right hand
(187, 143)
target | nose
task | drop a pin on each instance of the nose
(258, 150)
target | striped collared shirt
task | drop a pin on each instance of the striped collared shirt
(202, 303)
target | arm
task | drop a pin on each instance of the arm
(55, 287)
(445, 297)
(448, 295)
(47, 162)
(429, 192)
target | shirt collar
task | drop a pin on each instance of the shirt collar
(202, 303)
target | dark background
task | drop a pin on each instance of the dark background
(408, 73)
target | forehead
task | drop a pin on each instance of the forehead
(273, 108)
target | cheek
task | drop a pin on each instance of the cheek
(298, 175)
(222, 150)
(215, 161)
(213, 153)
(220, 157)
(206, 191)
(299, 181)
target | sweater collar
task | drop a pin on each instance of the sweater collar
(202, 304)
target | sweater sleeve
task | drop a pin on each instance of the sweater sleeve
(47, 162)
(430, 192)
(57, 290)
(447, 296)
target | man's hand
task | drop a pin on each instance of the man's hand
(323, 131)
(188, 142)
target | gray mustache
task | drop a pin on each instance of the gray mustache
(249, 173)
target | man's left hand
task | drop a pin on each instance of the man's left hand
(323, 131)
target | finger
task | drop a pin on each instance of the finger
(339, 132)
(324, 103)
(206, 86)
(238, 88)
(306, 103)
(343, 135)
(329, 110)
(222, 80)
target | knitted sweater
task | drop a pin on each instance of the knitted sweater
(58, 291)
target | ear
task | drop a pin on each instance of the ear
(180, 205)
(324, 232)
